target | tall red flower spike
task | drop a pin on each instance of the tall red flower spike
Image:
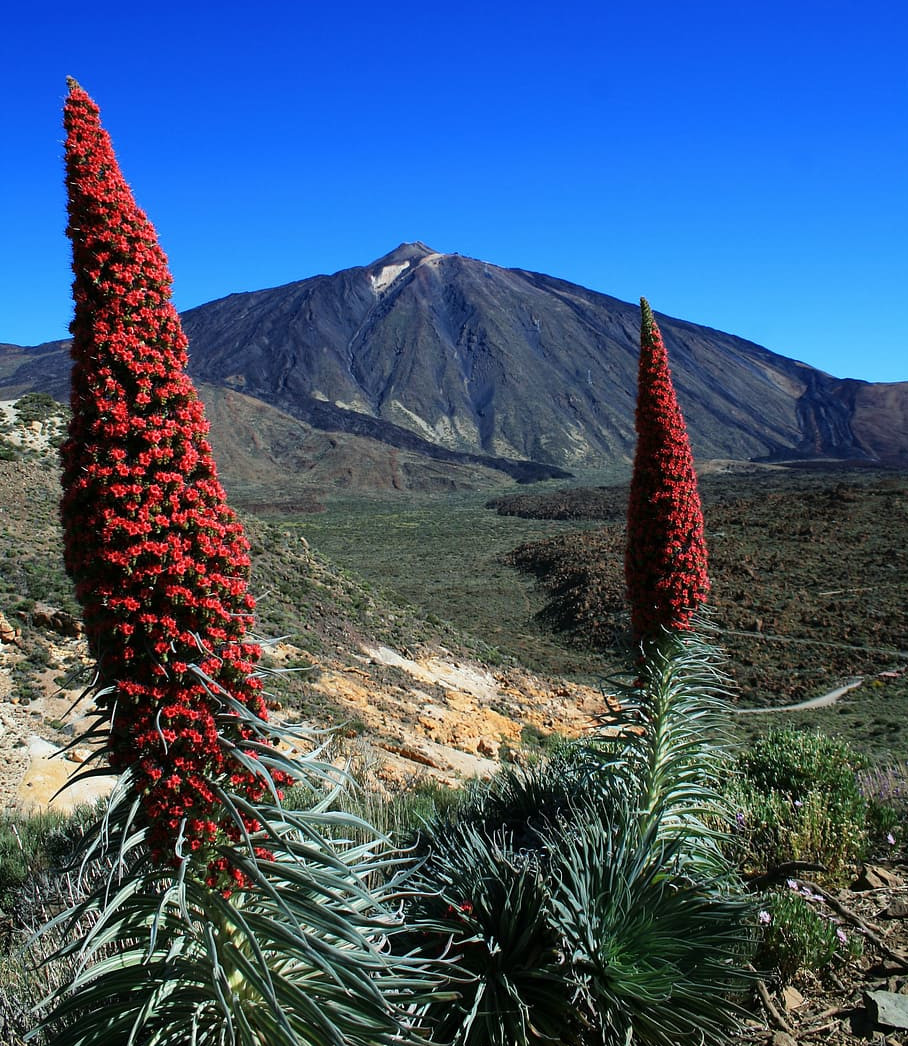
(159, 560)
(665, 562)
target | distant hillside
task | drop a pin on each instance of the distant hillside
(807, 568)
(452, 360)
(405, 688)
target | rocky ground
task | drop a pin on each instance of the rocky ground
(807, 566)
(400, 718)
(865, 1001)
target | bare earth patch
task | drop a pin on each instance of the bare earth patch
(426, 716)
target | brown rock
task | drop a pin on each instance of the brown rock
(48, 773)
(876, 877)
(896, 909)
(487, 748)
(45, 616)
(8, 634)
(415, 756)
(792, 998)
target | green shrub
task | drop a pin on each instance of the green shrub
(796, 937)
(36, 406)
(774, 829)
(538, 742)
(795, 762)
(797, 798)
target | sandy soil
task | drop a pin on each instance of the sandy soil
(432, 716)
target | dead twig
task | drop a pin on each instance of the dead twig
(788, 870)
(830, 1011)
(770, 1007)
(812, 1033)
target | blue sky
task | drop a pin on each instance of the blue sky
(742, 165)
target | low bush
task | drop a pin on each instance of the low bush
(797, 798)
(885, 789)
(37, 406)
(795, 761)
(796, 937)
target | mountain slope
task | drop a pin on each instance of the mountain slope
(439, 355)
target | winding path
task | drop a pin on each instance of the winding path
(822, 701)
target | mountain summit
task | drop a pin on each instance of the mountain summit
(507, 363)
(455, 358)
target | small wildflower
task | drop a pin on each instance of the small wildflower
(890, 838)
(791, 884)
(765, 918)
(798, 804)
(842, 936)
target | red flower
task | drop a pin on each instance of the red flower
(143, 512)
(665, 562)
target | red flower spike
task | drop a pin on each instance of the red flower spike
(159, 560)
(665, 561)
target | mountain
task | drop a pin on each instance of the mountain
(452, 360)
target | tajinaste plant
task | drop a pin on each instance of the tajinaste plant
(159, 560)
(226, 918)
(665, 562)
(590, 894)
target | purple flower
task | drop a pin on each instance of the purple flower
(890, 839)
(765, 918)
(842, 936)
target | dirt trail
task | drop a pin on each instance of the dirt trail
(822, 701)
